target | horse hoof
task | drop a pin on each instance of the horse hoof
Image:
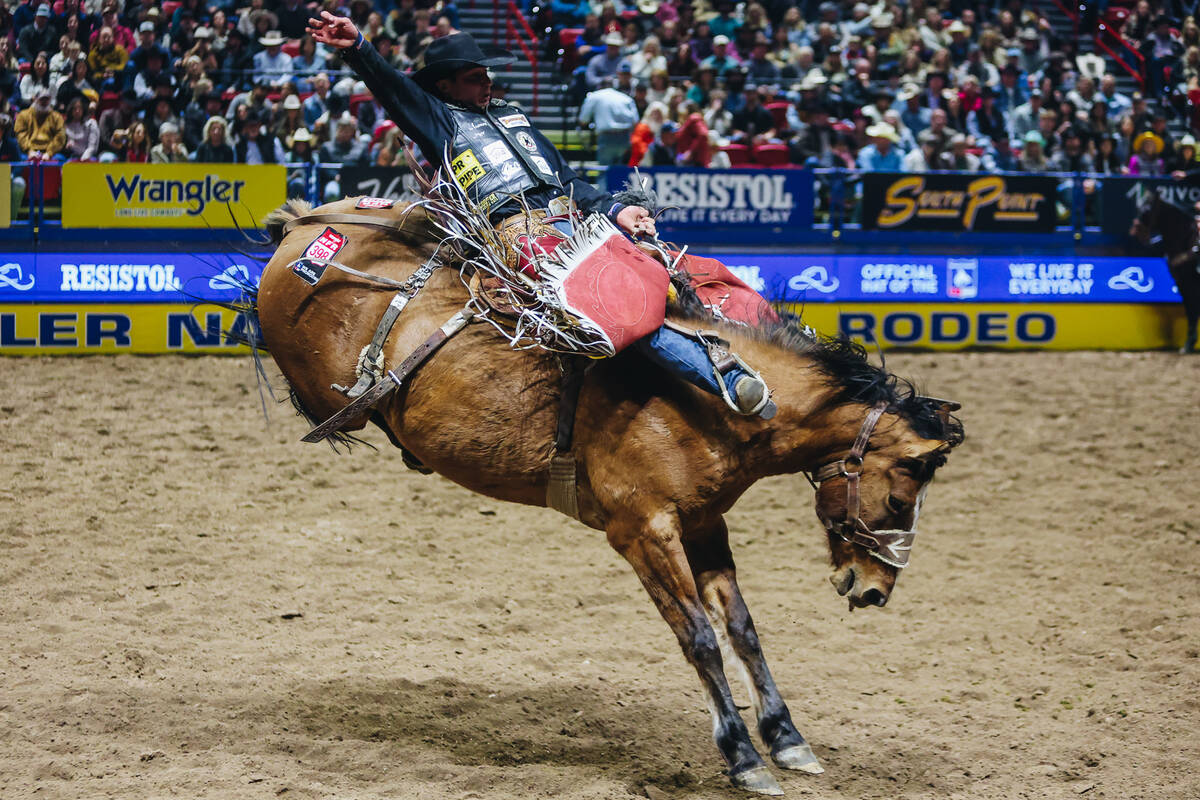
(758, 780)
(800, 757)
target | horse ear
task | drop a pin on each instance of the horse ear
(945, 407)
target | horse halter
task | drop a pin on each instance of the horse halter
(892, 547)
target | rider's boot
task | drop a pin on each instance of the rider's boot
(718, 373)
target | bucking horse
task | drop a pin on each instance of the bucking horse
(655, 463)
(1174, 230)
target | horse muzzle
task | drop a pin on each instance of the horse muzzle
(858, 588)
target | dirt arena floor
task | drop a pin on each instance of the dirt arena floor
(194, 604)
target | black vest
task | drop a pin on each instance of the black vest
(495, 155)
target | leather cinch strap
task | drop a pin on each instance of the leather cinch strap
(386, 223)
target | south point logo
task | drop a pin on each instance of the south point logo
(188, 197)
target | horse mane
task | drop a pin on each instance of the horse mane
(844, 364)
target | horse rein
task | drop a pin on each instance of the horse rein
(892, 547)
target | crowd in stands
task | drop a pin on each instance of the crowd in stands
(222, 81)
(926, 85)
(930, 84)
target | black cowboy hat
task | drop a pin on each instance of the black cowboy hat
(457, 51)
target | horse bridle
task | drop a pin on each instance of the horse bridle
(892, 547)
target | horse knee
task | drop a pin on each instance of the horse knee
(703, 648)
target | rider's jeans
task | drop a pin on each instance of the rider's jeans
(686, 358)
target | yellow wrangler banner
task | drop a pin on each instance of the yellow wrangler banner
(170, 195)
(1008, 326)
(27, 330)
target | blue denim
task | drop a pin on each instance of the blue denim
(686, 358)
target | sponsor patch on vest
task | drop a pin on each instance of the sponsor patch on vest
(374, 202)
(510, 169)
(541, 164)
(514, 121)
(498, 153)
(466, 169)
(526, 141)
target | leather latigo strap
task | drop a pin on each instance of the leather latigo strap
(386, 223)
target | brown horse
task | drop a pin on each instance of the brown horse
(1180, 243)
(659, 462)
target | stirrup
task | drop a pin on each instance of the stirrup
(725, 361)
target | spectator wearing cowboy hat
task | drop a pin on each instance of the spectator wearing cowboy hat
(1146, 158)
(301, 153)
(881, 155)
(271, 62)
(720, 61)
(606, 64)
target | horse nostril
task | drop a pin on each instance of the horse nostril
(844, 583)
(874, 597)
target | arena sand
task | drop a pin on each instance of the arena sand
(194, 604)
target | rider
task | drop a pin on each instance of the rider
(447, 104)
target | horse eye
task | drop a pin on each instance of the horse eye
(895, 503)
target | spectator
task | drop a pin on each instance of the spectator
(1161, 50)
(648, 60)
(290, 121)
(137, 146)
(161, 111)
(646, 132)
(255, 101)
(82, 132)
(1184, 158)
(272, 64)
(1071, 157)
(119, 117)
(1147, 148)
(753, 124)
(914, 115)
(1118, 104)
(344, 148)
(987, 122)
(147, 44)
(1010, 95)
(1107, 161)
(663, 152)
(75, 84)
(716, 117)
(958, 158)
(68, 52)
(37, 79)
(311, 61)
(148, 77)
(1000, 157)
(40, 37)
(612, 114)
(923, 158)
(605, 65)
(1033, 159)
(692, 145)
(41, 131)
(256, 146)
(880, 155)
(725, 23)
(215, 148)
(109, 17)
(169, 150)
(1025, 117)
(720, 61)
(760, 68)
(317, 103)
(106, 60)
(703, 84)
(683, 63)
(204, 104)
(298, 180)
(237, 62)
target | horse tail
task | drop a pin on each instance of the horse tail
(277, 219)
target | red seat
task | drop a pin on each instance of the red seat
(51, 182)
(771, 155)
(779, 113)
(1193, 97)
(24, 67)
(169, 7)
(291, 48)
(357, 100)
(107, 100)
(739, 154)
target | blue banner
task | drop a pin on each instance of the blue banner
(921, 278)
(124, 277)
(756, 200)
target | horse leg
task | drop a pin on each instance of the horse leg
(716, 578)
(657, 555)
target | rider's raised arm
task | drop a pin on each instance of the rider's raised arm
(421, 116)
